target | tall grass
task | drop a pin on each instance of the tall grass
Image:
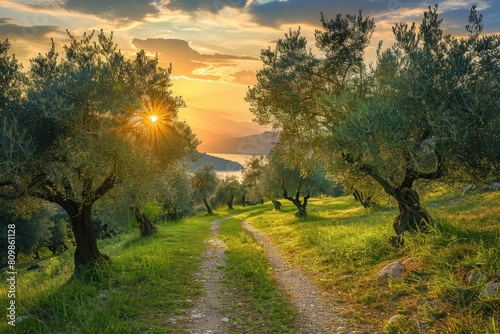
(343, 246)
(148, 281)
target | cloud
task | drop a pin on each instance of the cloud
(9, 27)
(278, 13)
(116, 10)
(213, 6)
(245, 77)
(293, 12)
(190, 63)
(27, 41)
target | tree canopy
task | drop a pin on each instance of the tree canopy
(77, 124)
(427, 110)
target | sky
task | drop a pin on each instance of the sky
(213, 45)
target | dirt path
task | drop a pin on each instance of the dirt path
(206, 314)
(316, 311)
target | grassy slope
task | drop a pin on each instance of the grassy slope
(150, 284)
(149, 280)
(343, 246)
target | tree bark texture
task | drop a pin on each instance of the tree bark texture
(412, 215)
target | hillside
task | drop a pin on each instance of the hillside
(260, 144)
(220, 165)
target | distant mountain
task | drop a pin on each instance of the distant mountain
(220, 165)
(260, 144)
(208, 136)
(214, 123)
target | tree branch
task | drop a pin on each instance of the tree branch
(106, 185)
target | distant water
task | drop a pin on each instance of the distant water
(240, 158)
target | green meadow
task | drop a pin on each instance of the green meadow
(340, 245)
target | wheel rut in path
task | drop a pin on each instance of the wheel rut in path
(316, 311)
(206, 314)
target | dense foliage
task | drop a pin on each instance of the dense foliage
(76, 125)
(428, 110)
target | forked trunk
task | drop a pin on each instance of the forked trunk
(209, 209)
(412, 215)
(301, 205)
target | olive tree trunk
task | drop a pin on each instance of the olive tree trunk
(86, 253)
(207, 206)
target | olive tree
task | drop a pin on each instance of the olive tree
(428, 110)
(292, 81)
(433, 115)
(204, 182)
(87, 120)
(228, 190)
(294, 184)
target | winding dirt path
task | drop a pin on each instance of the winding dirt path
(206, 314)
(317, 313)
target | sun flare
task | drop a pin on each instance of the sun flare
(153, 118)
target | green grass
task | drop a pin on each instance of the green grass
(342, 246)
(261, 306)
(339, 244)
(149, 280)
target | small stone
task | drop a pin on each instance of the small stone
(423, 327)
(394, 296)
(197, 316)
(396, 318)
(225, 319)
(491, 290)
(102, 296)
(392, 270)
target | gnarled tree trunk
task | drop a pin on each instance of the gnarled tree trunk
(412, 215)
(301, 205)
(80, 213)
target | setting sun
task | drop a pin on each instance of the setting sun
(153, 118)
